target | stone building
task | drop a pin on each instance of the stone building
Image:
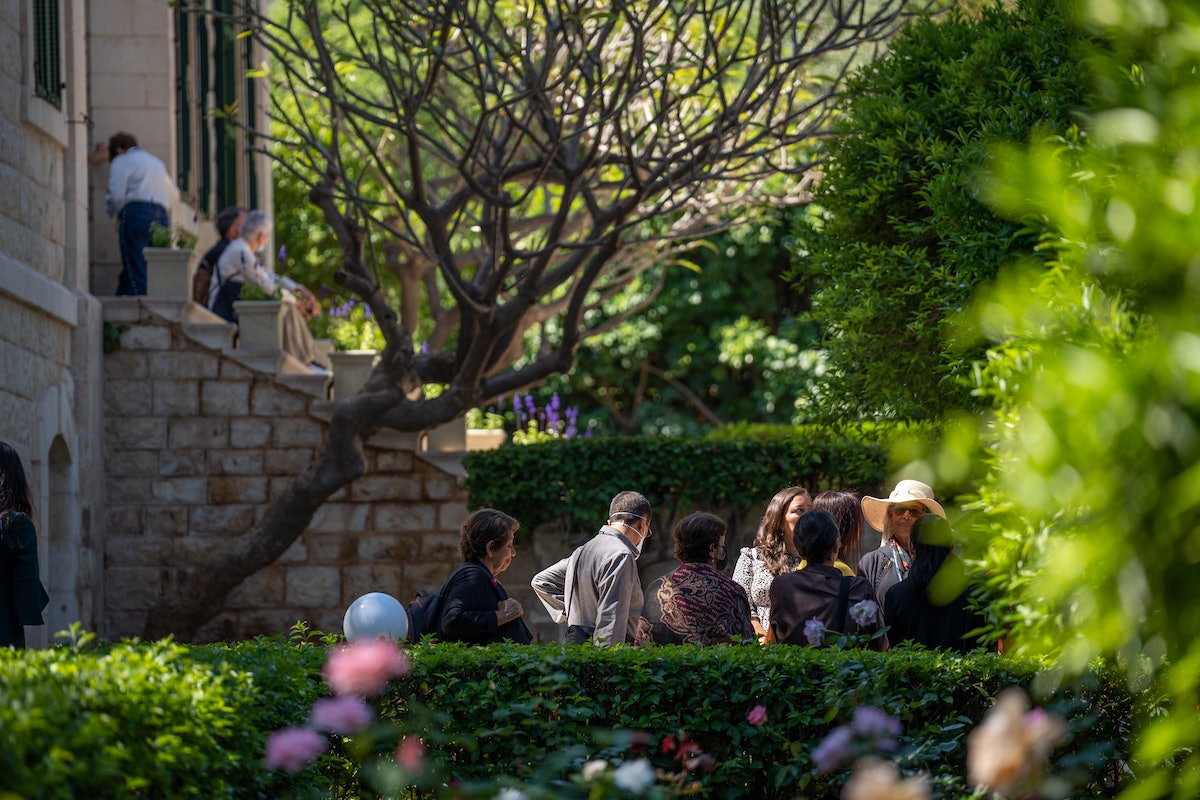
(152, 452)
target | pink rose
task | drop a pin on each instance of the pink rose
(757, 716)
(365, 667)
(341, 715)
(292, 749)
(411, 754)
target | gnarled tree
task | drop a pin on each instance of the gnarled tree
(527, 160)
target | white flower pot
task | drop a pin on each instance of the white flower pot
(168, 272)
(450, 437)
(260, 324)
(351, 368)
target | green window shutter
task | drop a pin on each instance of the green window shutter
(47, 61)
(183, 102)
(248, 120)
(225, 69)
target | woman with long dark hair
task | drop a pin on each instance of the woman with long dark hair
(22, 596)
(774, 552)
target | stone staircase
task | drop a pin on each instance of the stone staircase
(211, 331)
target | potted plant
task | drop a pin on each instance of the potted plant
(485, 429)
(260, 319)
(168, 270)
(356, 341)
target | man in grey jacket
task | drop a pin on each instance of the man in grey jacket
(596, 590)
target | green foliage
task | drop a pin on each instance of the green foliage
(572, 480)
(253, 293)
(149, 720)
(350, 327)
(905, 238)
(111, 337)
(504, 708)
(722, 340)
(163, 236)
(1088, 486)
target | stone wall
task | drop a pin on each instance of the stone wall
(49, 325)
(199, 439)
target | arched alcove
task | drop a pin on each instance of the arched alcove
(61, 531)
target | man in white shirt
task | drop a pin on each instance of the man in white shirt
(139, 193)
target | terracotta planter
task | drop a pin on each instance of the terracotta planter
(485, 439)
(351, 368)
(260, 324)
(168, 272)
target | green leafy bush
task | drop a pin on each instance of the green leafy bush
(150, 720)
(572, 480)
(505, 709)
(906, 237)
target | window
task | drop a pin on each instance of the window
(215, 106)
(47, 60)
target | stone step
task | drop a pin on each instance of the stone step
(312, 384)
(218, 336)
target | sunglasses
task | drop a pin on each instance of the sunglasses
(900, 511)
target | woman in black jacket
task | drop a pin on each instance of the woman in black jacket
(932, 605)
(22, 596)
(475, 608)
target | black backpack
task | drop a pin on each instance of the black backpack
(424, 615)
(425, 611)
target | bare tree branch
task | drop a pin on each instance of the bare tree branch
(519, 164)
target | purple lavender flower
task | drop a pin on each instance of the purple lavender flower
(830, 753)
(366, 311)
(425, 347)
(876, 726)
(587, 434)
(282, 253)
(864, 613)
(530, 406)
(814, 631)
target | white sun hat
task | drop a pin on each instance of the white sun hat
(875, 508)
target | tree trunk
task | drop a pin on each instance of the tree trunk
(199, 591)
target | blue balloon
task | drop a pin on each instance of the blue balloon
(375, 615)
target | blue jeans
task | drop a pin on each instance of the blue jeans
(133, 230)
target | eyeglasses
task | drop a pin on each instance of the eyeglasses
(627, 516)
(900, 511)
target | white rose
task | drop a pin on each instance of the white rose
(593, 769)
(635, 776)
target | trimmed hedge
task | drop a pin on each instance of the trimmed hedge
(138, 720)
(510, 707)
(571, 481)
(150, 720)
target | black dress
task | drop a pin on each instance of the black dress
(912, 616)
(469, 602)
